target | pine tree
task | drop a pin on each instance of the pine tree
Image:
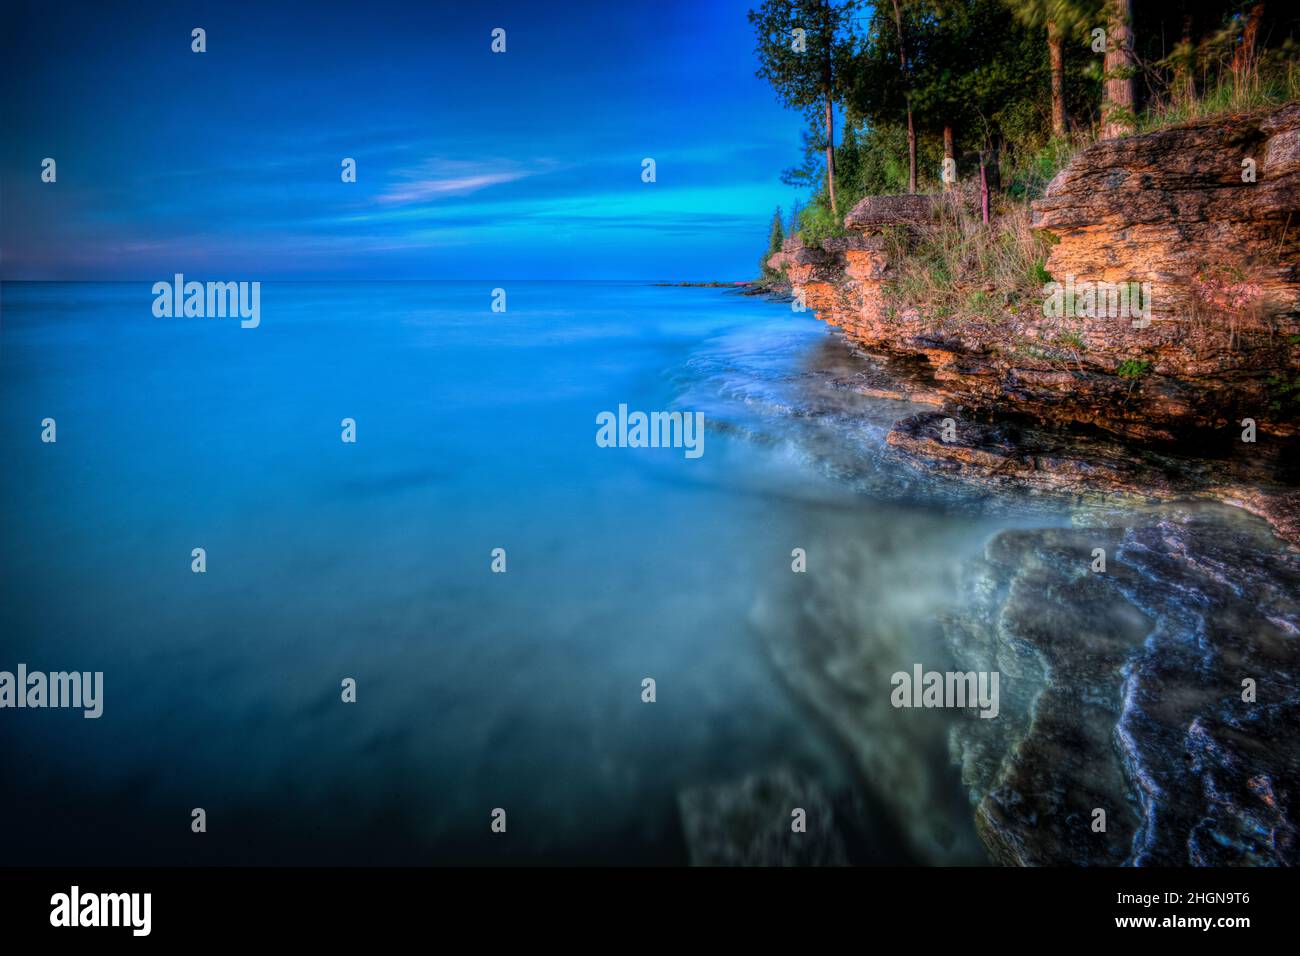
(804, 46)
(775, 239)
(1117, 117)
(1058, 19)
(776, 236)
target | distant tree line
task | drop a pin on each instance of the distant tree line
(1002, 89)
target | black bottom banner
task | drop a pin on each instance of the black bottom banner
(333, 905)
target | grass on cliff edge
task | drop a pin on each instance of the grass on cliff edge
(959, 273)
(1032, 166)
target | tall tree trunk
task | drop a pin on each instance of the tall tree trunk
(949, 154)
(1117, 116)
(911, 128)
(830, 117)
(1056, 54)
(830, 154)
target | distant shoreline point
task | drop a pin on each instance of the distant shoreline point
(703, 285)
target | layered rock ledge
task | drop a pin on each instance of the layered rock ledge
(1204, 218)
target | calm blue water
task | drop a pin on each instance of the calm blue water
(328, 560)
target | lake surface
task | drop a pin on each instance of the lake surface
(372, 560)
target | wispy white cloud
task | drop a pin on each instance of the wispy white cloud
(435, 178)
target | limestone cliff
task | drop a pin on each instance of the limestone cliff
(1203, 220)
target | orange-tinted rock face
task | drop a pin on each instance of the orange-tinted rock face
(1207, 214)
(1172, 206)
(1195, 233)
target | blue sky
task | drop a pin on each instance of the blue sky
(470, 164)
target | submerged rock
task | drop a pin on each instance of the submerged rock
(1121, 644)
(1123, 692)
(837, 634)
(749, 823)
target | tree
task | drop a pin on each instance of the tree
(907, 95)
(803, 49)
(775, 239)
(947, 95)
(795, 212)
(776, 236)
(1060, 121)
(877, 90)
(848, 163)
(1060, 19)
(1117, 116)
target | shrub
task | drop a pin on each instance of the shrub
(1133, 369)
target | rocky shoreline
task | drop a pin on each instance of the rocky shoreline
(1161, 688)
(1200, 417)
(1165, 691)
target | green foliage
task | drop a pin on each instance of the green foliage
(800, 78)
(1071, 17)
(1029, 171)
(775, 239)
(869, 162)
(1203, 78)
(816, 223)
(1133, 369)
(971, 67)
(982, 69)
(776, 233)
(1284, 392)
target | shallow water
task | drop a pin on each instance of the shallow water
(476, 690)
